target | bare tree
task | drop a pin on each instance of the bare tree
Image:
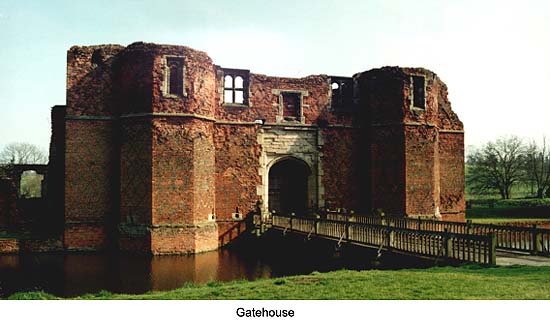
(538, 166)
(497, 166)
(22, 153)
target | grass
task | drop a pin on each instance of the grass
(510, 210)
(467, 282)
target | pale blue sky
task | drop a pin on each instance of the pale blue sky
(493, 55)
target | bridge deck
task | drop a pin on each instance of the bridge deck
(431, 244)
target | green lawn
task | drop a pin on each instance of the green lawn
(510, 210)
(467, 282)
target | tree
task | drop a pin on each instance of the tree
(497, 166)
(538, 166)
(22, 153)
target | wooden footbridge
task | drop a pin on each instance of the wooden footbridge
(429, 238)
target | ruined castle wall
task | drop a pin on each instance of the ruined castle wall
(387, 174)
(421, 160)
(56, 170)
(8, 207)
(265, 99)
(90, 75)
(451, 159)
(88, 182)
(172, 172)
(160, 164)
(237, 163)
(383, 137)
(89, 151)
(134, 81)
(341, 169)
(135, 171)
(199, 82)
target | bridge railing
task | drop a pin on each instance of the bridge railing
(515, 238)
(461, 247)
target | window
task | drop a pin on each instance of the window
(291, 106)
(419, 96)
(235, 86)
(30, 185)
(174, 78)
(342, 91)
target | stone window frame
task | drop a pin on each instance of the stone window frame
(166, 77)
(411, 92)
(234, 73)
(280, 112)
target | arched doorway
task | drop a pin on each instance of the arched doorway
(288, 187)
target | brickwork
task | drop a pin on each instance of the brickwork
(8, 207)
(9, 245)
(88, 177)
(451, 160)
(237, 177)
(422, 182)
(341, 167)
(82, 237)
(150, 160)
(56, 170)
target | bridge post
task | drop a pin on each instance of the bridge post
(317, 225)
(389, 236)
(447, 243)
(492, 250)
(261, 225)
(536, 245)
(290, 222)
(469, 226)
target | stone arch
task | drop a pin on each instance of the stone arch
(290, 183)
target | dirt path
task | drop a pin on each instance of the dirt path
(509, 258)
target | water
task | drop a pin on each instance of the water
(69, 275)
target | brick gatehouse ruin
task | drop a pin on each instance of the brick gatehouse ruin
(160, 150)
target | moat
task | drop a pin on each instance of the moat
(73, 274)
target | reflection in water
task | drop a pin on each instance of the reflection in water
(76, 274)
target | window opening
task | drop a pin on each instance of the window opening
(235, 86)
(419, 96)
(175, 76)
(291, 106)
(343, 94)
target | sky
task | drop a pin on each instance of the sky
(493, 55)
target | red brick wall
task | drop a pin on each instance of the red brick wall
(84, 237)
(186, 239)
(237, 163)
(341, 169)
(421, 161)
(451, 157)
(90, 85)
(56, 170)
(88, 173)
(135, 171)
(263, 103)
(183, 185)
(135, 80)
(8, 245)
(200, 82)
(387, 174)
(204, 187)
(8, 208)
(228, 230)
